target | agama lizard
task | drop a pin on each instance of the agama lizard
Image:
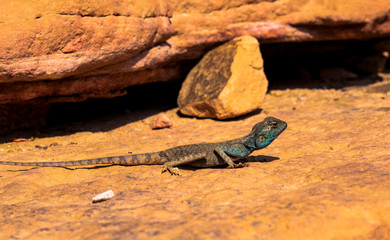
(197, 155)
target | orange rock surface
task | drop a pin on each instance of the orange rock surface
(95, 49)
(326, 177)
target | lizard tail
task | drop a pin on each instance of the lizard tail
(154, 158)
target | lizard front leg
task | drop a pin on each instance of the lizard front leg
(238, 152)
(170, 166)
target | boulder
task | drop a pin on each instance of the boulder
(228, 82)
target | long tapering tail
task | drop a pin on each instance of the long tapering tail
(154, 158)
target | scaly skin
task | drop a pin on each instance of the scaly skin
(197, 155)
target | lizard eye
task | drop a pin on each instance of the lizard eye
(261, 138)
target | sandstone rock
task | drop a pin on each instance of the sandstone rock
(55, 39)
(80, 41)
(52, 40)
(228, 82)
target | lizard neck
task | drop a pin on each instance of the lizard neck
(249, 142)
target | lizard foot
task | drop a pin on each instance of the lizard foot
(239, 165)
(171, 170)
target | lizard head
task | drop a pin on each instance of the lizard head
(266, 131)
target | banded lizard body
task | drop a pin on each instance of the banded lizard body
(197, 155)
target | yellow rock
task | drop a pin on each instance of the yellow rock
(228, 82)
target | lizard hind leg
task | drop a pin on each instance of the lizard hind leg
(170, 166)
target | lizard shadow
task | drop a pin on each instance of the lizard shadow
(92, 167)
(21, 170)
(259, 158)
(67, 168)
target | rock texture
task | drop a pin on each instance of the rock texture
(116, 43)
(228, 82)
(69, 39)
(326, 177)
(56, 40)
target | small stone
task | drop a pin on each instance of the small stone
(228, 82)
(44, 147)
(162, 121)
(20, 140)
(54, 144)
(103, 196)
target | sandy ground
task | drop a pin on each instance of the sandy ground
(326, 177)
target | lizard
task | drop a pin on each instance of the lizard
(195, 155)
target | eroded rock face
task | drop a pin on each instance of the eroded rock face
(53, 40)
(83, 41)
(228, 82)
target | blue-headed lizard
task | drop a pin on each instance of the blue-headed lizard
(197, 155)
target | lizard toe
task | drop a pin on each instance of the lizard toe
(239, 165)
(174, 171)
(171, 170)
(242, 164)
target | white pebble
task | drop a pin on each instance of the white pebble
(103, 196)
